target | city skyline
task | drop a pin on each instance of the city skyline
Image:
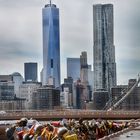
(21, 34)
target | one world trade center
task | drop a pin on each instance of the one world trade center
(51, 45)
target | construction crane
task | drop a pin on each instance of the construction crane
(124, 95)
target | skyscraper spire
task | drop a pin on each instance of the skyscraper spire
(50, 2)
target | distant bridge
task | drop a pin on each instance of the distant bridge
(76, 114)
(115, 103)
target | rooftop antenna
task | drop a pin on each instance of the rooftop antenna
(50, 2)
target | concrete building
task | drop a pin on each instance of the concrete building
(100, 99)
(84, 68)
(68, 82)
(46, 97)
(66, 98)
(104, 50)
(14, 79)
(9, 90)
(17, 79)
(26, 92)
(67, 93)
(89, 105)
(12, 104)
(81, 95)
(5, 78)
(6, 90)
(78, 101)
(73, 68)
(30, 72)
(82, 92)
(51, 44)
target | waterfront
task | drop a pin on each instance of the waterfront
(131, 135)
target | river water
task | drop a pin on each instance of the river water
(131, 135)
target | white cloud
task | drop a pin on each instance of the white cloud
(21, 22)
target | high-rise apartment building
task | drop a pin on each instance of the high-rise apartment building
(30, 72)
(51, 44)
(73, 68)
(104, 49)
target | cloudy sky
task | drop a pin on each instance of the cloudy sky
(21, 34)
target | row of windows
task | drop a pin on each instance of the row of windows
(46, 22)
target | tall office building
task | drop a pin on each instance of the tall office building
(30, 72)
(90, 77)
(46, 97)
(73, 68)
(51, 44)
(104, 49)
(18, 80)
(83, 68)
(67, 93)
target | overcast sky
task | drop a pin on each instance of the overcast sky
(21, 34)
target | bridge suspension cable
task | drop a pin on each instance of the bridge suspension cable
(112, 102)
(124, 96)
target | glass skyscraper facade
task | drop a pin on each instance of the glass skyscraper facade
(30, 72)
(73, 68)
(104, 49)
(51, 44)
(83, 68)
